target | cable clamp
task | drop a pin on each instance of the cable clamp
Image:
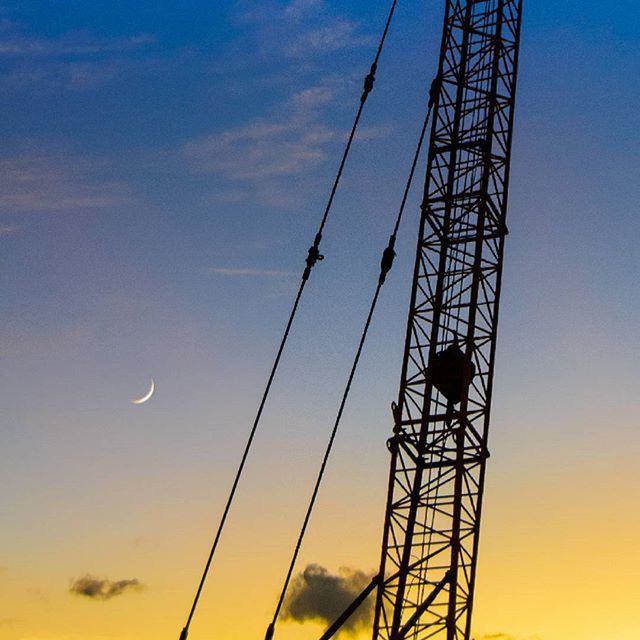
(387, 259)
(370, 78)
(313, 256)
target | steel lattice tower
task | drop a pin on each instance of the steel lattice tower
(439, 447)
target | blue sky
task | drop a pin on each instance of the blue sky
(164, 167)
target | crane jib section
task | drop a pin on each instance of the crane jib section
(439, 443)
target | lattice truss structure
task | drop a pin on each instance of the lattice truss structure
(439, 448)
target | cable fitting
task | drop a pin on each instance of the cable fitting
(370, 78)
(184, 634)
(434, 90)
(396, 411)
(313, 256)
(387, 259)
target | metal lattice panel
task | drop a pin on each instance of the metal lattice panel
(439, 449)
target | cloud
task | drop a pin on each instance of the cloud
(286, 145)
(262, 149)
(234, 272)
(46, 76)
(317, 595)
(56, 182)
(277, 157)
(7, 230)
(75, 61)
(300, 28)
(299, 8)
(69, 45)
(101, 588)
(340, 34)
(306, 101)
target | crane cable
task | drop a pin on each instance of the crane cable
(313, 257)
(386, 263)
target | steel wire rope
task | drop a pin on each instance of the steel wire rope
(312, 258)
(386, 263)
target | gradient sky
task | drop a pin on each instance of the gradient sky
(163, 169)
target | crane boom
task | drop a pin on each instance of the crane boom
(439, 443)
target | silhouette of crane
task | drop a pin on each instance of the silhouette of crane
(439, 446)
(426, 582)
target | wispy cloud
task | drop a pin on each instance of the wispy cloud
(317, 595)
(79, 44)
(261, 149)
(299, 8)
(45, 76)
(266, 159)
(239, 272)
(76, 61)
(286, 145)
(301, 28)
(56, 182)
(102, 589)
(340, 34)
(271, 158)
(7, 230)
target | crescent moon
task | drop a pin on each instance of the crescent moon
(147, 395)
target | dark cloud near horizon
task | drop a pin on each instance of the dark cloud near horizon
(317, 595)
(101, 588)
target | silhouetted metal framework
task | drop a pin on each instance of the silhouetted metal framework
(439, 446)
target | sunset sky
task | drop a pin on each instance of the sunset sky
(163, 169)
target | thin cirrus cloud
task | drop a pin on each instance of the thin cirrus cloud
(240, 272)
(258, 160)
(8, 230)
(326, 32)
(73, 44)
(301, 28)
(49, 183)
(284, 145)
(299, 8)
(94, 588)
(341, 34)
(77, 61)
(260, 150)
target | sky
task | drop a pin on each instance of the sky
(163, 168)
